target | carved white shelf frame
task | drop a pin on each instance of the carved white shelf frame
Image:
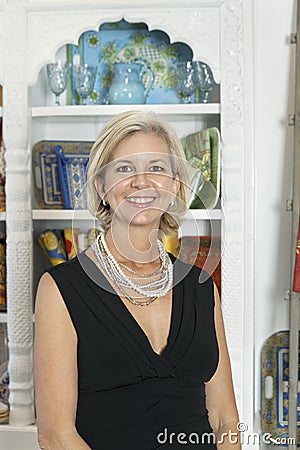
(50, 30)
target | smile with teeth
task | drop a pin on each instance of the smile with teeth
(140, 201)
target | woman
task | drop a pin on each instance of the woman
(130, 351)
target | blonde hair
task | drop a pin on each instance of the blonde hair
(115, 131)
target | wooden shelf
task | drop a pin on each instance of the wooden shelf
(70, 214)
(111, 110)
(28, 428)
(61, 214)
(204, 214)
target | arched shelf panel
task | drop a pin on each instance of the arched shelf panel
(49, 32)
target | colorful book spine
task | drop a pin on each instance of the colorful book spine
(204, 252)
(82, 242)
(296, 286)
(4, 377)
(71, 241)
(3, 304)
(172, 244)
(2, 171)
(4, 384)
(91, 236)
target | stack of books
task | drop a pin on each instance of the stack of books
(4, 379)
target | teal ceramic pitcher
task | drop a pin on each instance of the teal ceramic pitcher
(127, 87)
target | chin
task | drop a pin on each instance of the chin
(143, 218)
(143, 221)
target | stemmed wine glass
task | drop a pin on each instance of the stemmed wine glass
(84, 78)
(204, 79)
(185, 79)
(57, 74)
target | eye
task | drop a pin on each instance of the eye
(124, 169)
(157, 169)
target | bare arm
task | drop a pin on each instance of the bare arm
(220, 398)
(55, 371)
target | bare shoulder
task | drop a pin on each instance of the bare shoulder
(50, 308)
(48, 295)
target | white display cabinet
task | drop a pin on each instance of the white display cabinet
(32, 33)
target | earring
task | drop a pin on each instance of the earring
(104, 203)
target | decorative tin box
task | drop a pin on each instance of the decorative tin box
(274, 387)
(59, 174)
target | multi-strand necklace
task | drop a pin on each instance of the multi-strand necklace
(113, 268)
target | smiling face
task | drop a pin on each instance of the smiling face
(139, 184)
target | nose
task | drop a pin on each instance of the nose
(140, 180)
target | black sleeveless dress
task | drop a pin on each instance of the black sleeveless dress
(129, 397)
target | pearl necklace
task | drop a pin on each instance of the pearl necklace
(112, 267)
(121, 278)
(142, 275)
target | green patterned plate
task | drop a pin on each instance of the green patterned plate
(202, 151)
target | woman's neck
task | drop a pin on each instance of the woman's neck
(136, 244)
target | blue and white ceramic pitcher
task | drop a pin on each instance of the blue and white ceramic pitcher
(127, 87)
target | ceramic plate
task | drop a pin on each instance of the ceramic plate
(202, 150)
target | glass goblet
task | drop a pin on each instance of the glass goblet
(185, 80)
(57, 74)
(204, 80)
(84, 78)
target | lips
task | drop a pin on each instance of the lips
(140, 202)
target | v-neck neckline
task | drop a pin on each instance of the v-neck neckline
(128, 317)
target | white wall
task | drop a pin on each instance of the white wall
(274, 100)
